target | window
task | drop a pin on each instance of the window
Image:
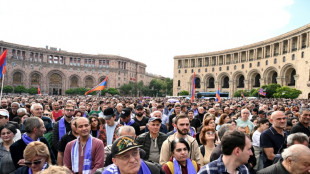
(250, 65)
(212, 69)
(242, 66)
(266, 62)
(275, 61)
(284, 59)
(192, 71)
(179, 82)
(302, 54)
(179, 71)
(199, 70)
(220, 68)
(185, 71)
(206, 69)
(235, 67)
(293, 57)
(227, 68)
(258, 64)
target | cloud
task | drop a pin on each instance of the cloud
(152, 32)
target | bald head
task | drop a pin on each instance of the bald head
(275, 114)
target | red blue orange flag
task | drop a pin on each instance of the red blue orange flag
(99, 87)
(261, 92)
(39, 90)
(218, 97)
(193, 89)
(242, 95)
(3, 63)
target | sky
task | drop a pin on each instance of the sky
(149, 31)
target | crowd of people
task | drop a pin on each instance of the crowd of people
(126, 135)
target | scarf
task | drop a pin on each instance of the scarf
(113, 169)
(132, 121)
(192, 132)
(87, 156)
(27, 139)
(43, 168)
(189, 165)
(62, 127)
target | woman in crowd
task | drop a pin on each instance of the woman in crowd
(37, 158)
(224, 118)
(207, 137)
(294, 120)
(7, 134)
(47, 108)
(78, 113)
(94, 125)
(262, 124)
(48, 114)
(208, 121)
(179, 161)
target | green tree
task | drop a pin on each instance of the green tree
(254, 92)
(70, 91)
(81, 91)
(113, 91)
(238, 93)
(33, 90)
(126, 89)
(8, 89)
(287, 92)
(270, 89)
(20, 89)
(184, 92)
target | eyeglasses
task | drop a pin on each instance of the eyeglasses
(34, 162)
(1, 117)
(126, 157)
(210, 132)
(46, 114)
(69, 110)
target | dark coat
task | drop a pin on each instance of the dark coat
(275, 168)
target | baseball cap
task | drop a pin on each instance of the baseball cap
(108, 113)
(122, 145)
(154, 119)
(139, 107)
(4, 113)
(125, 113)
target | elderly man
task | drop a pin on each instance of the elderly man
(85, 154)
(126, 159)
(163, 127)
(36, 110)
(296, 160)
(35, 129)
(245, 122)
(118, 110)
(273, 139)
(152, 141)
(13, 112)
(236, 149)
(303, 125)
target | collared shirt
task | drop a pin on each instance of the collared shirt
(301, 128)
(218, 167)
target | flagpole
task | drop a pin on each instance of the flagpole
(1, 88)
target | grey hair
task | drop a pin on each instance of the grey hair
(295, 151)
(21, 110)
(16, 103)
(225, 127)
(35, 104)
(31, 123)
(127, 129)
(299, 136)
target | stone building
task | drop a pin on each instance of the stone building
(283, 59)
(56, 70)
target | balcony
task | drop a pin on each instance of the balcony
(294, 49)
(284, 51)
(251, 59)
(267, 56)
(275, 54)
(259, 58)
(303, 46)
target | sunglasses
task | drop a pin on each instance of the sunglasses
(46, 114)
(34, 162)
(210, 132)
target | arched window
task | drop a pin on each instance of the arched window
(179, 82)
(266, 62)
(293, 56)
(275, 61)
(284, 59)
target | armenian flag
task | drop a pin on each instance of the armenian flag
(3, 63)
(193, 89)
(261, 92)
(242, 95)
(99, 87)
(39, 90)
(218, 97)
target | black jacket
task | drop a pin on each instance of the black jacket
(17, 151)
(145, 140)
(275, 168)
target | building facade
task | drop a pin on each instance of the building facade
(283, 60)
(56, 70)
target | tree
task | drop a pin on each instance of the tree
(126, 89)
(70, 91)
(254, 92)
(113, 91)
(8, 89)
(270, 89)
(33, 90)
(20, 89)
(287, 92)
(184, 92)
(238, 93)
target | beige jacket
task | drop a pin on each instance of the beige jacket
(165, 149)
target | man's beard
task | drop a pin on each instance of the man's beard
(139, 114)
(181, 132)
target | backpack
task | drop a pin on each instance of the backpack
(202, 150)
